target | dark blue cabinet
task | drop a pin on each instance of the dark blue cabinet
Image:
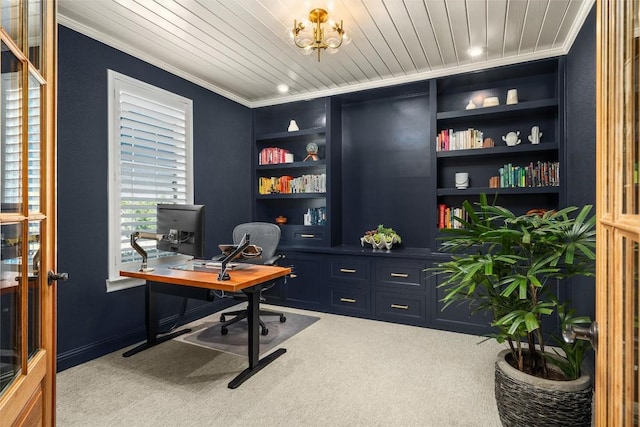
(384, 161)
(349, 285)
(302, 289)
(290, 183)
(401, 291)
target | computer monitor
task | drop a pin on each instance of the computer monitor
(182, 227)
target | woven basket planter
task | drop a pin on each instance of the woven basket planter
(525, 400)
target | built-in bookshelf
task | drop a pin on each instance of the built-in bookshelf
(288, 181)
(521, 176)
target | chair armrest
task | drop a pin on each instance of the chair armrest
(273, 260)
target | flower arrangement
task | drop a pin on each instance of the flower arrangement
(381, 237)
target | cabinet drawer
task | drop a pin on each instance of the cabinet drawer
(354, 271)
(350, 301)
(409, 309)
(401, 275)
(307, 235)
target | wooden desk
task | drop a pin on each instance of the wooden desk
(249, 280)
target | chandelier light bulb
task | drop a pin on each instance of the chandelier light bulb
(333, 42)
(346, 38)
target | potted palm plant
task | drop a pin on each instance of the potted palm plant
(509, 267)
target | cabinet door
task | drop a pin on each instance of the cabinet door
(456, 317)
(303, 287)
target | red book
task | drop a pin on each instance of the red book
(442, 215)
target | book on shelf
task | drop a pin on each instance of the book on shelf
(448, 216)
(316, 216)
(449, 140)
(536, 174)
(274, 155)
(290, 185)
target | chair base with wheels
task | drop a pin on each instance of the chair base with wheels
(242, 314)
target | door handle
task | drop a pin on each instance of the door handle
(53, 277)
(573, 332)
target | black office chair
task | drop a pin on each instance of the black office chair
(266, 236)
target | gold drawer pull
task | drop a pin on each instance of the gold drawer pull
(403, 275)
(293, 275)
(347, 270)
(401, 307)
(308, 236)
(350, 300)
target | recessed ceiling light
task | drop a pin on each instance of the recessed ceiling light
(475, 51)
(282, 88)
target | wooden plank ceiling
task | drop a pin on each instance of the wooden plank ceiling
(241, 50)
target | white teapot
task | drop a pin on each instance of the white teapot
(512, 138)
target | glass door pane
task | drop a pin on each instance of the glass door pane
(34, 31)
(12, 20)
(10, 272)
(10, 132)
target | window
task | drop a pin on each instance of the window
(150, 162)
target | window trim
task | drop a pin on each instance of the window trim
(115, 81)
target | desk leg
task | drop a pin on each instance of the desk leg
(151, 324)
(253, 317)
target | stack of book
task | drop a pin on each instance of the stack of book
(274, 155)
(288, 185)
(536, 174)
(447, 216)
(271, 185)
(448, 139)
(316, 216)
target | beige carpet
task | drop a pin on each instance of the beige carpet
(340, 371)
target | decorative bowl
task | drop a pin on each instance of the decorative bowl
(381, 238)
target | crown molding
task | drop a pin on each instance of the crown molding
(139, 54)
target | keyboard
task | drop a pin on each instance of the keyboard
(209, 266)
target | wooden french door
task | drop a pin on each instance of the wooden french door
(28, 52)
(618, 212)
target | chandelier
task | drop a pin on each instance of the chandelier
(310, 35)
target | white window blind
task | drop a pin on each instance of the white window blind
(151, 163)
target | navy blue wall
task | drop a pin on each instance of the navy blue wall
(386, 168)
(581, 147)
(92, 322)
(581, 141)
